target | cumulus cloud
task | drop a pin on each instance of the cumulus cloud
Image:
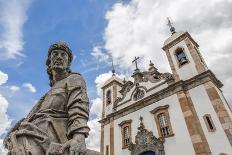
(99, 54)
(29, 87)
(4, 119)
(138, 28)
(12, 18)
(3, 77)
(96, 107)
(93, 141)
(3, 151)
(14, 88)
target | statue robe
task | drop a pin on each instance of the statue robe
(62, 112)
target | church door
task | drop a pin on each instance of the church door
(148, 153)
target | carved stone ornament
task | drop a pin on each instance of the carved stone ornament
(138, 94)
(146, 141)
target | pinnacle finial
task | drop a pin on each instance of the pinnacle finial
(113, 69)
(170, 24)
(151, 64)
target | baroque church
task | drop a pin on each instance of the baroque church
(183, 113)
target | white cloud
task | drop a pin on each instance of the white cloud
(99, 54)
(3, 151)
(93, 141)
(12, 18)
(3, 77)
(96, 107)
(138, 28)
(4, 119)
(30, 87)
(14, 88)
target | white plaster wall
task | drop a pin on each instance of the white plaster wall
(187, 71)
(217, 140)
(180, 143)
(106, 137)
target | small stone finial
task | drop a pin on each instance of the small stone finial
(136, 63)
(141, 127)
(151, 64)
(113, 69)
(170, 24)
(124, 80)
(141, 119)
(152, 67)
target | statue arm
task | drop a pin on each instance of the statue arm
(78, 110)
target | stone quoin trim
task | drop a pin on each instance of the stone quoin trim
(195, 129)
(220, 109)
(111, 137)
(200, 66)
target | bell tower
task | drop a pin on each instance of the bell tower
(183, 55)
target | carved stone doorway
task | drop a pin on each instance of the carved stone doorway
(146, 143)
(148, 153)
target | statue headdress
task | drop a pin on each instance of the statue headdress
(58, 45)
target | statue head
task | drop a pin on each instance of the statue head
(59, 59)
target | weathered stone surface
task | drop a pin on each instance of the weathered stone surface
(57, 124)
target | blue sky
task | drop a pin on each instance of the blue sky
(97, 32)
(80, 23)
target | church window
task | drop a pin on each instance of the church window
(162, 120)
(125, 133)
(209, 123)
(181, 57)
(164, 126)
(108, 97)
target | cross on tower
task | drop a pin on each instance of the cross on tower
(170, 24)
(136, 62)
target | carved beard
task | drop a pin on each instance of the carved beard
(59, 66)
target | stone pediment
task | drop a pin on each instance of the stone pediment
(133, 91)
(146, 141)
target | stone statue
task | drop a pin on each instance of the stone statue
(57, 124)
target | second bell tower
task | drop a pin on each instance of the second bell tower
(183, 55)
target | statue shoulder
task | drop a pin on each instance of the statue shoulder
(75, 80)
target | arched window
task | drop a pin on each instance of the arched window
(181, 57)
(125, 133)
(108, 97)
(164, 125)
(162, 120)
(126, 137)
(209, 123)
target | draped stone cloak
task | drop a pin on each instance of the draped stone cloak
(60, 113)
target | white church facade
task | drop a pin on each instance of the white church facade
(183, 113)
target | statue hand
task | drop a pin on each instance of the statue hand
(75, 147)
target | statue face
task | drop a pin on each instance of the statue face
(59, 60)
